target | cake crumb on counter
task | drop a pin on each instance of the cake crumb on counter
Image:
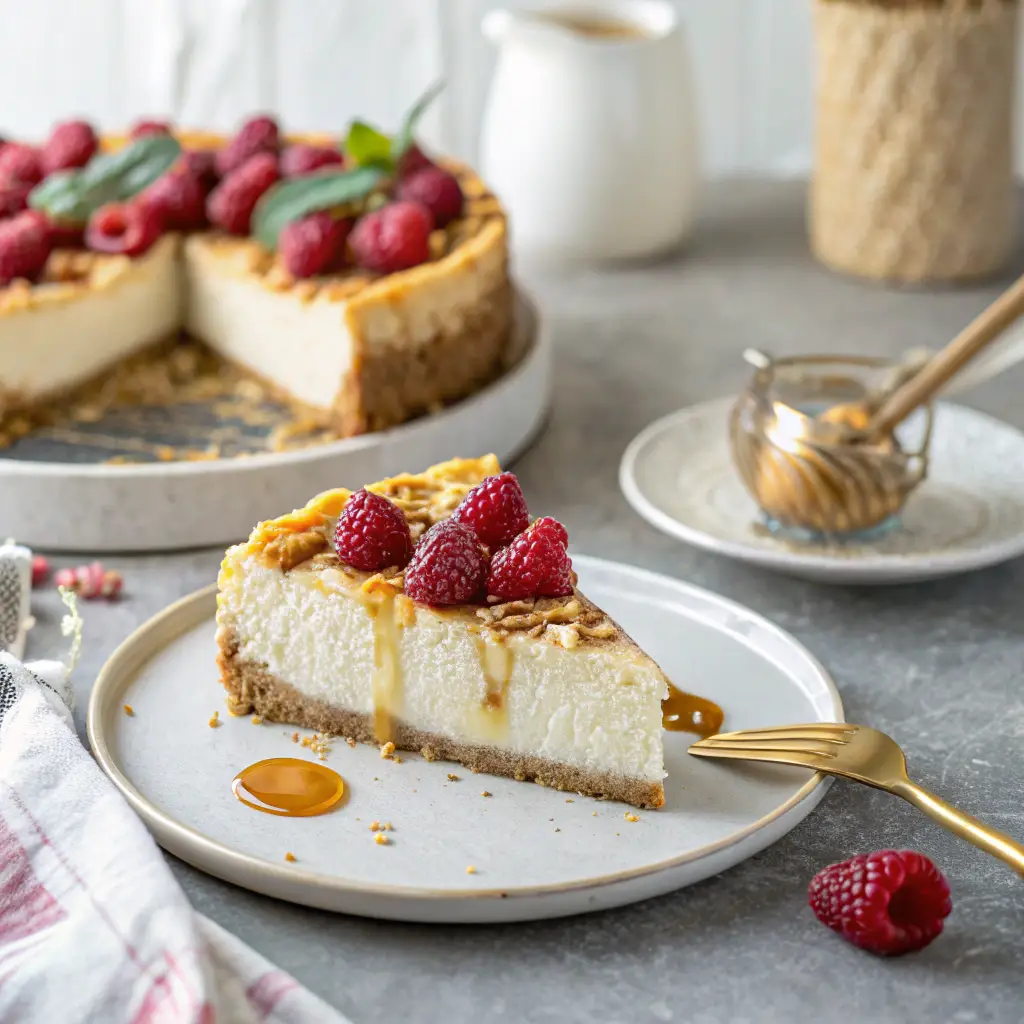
(452, 777)
(387, 750)
(380, 839)
(295, 737)
(631, 817)
(257, 720)
(351, 742)
(290, 857)
(485, 793)
(471, 870)
(214, 721)
(569, 800)
(129, 710)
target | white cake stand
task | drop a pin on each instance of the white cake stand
(169, 506)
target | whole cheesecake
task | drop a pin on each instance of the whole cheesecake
(363, 340)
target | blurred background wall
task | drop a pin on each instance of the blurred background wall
(320, 62)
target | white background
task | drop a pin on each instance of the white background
(319, 63)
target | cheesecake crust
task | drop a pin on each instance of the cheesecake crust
(252, 688)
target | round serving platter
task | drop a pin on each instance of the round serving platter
(536, 853)
(52, 502)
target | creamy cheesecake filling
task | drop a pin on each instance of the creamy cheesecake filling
(592, 706)
(303, 347)
(52, 345)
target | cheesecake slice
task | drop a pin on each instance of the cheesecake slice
(542, 688)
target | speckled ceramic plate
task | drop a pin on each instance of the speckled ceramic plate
(969, 513)
(537, 852)
(165, 506)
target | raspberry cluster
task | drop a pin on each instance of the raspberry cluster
(487, 548)
(221, 189)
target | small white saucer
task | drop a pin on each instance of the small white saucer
(969, 513)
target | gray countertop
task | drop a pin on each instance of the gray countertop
(940, 666)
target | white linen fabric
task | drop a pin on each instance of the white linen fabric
(93, 926)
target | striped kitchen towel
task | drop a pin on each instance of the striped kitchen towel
(93, 927)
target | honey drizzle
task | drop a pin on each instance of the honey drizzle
(685, 712)
(289, 787)
(387, 679)
(496, 661)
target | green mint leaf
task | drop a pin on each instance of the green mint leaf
(367, 146)
(405, 137)
(71, 197)
(130, 170)
(291, 200)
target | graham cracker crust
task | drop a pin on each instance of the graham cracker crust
(251, 688)
(389, 385)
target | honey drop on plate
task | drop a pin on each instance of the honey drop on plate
(685, 712)
(288, 786)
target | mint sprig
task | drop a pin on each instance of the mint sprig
(71, 197)
(370, 147)
(291, 200)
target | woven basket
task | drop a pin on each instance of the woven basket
(913, 174)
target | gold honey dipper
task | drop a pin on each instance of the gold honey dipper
(814, 438)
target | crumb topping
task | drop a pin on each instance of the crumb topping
(301, 540)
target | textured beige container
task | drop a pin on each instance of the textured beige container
(913, 175)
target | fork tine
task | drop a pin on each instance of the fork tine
(746, 752)
(829, 732)
(788, 746)
(759, 736)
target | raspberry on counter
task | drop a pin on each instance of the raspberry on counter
(889, 902)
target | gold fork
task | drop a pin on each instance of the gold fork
(865, 755)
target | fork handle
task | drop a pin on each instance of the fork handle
(985, 838)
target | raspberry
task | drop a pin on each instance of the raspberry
(65, 236)
(141, 129)
(14, 196)
(554, 528)
(372, 533)
(413, 160)
(303, 159)
(21, 162)
(91, 581)
(395, 237)
(447, 567)
(202, 164)
(231, 203)
(495, 510)
(25, 246)
(535, 564)
(71, 144)
(257, 135)
(890, 902)
(40, 570)
(437, 190)
(127, 228)
(314, 245)
(179, 199)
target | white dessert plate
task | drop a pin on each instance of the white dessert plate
(969, 513)
(166, 506)
(537, 853)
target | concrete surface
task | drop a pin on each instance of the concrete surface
(938, 665)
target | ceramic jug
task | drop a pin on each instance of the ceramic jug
(589, 133)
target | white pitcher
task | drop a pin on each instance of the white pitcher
(589, 135)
